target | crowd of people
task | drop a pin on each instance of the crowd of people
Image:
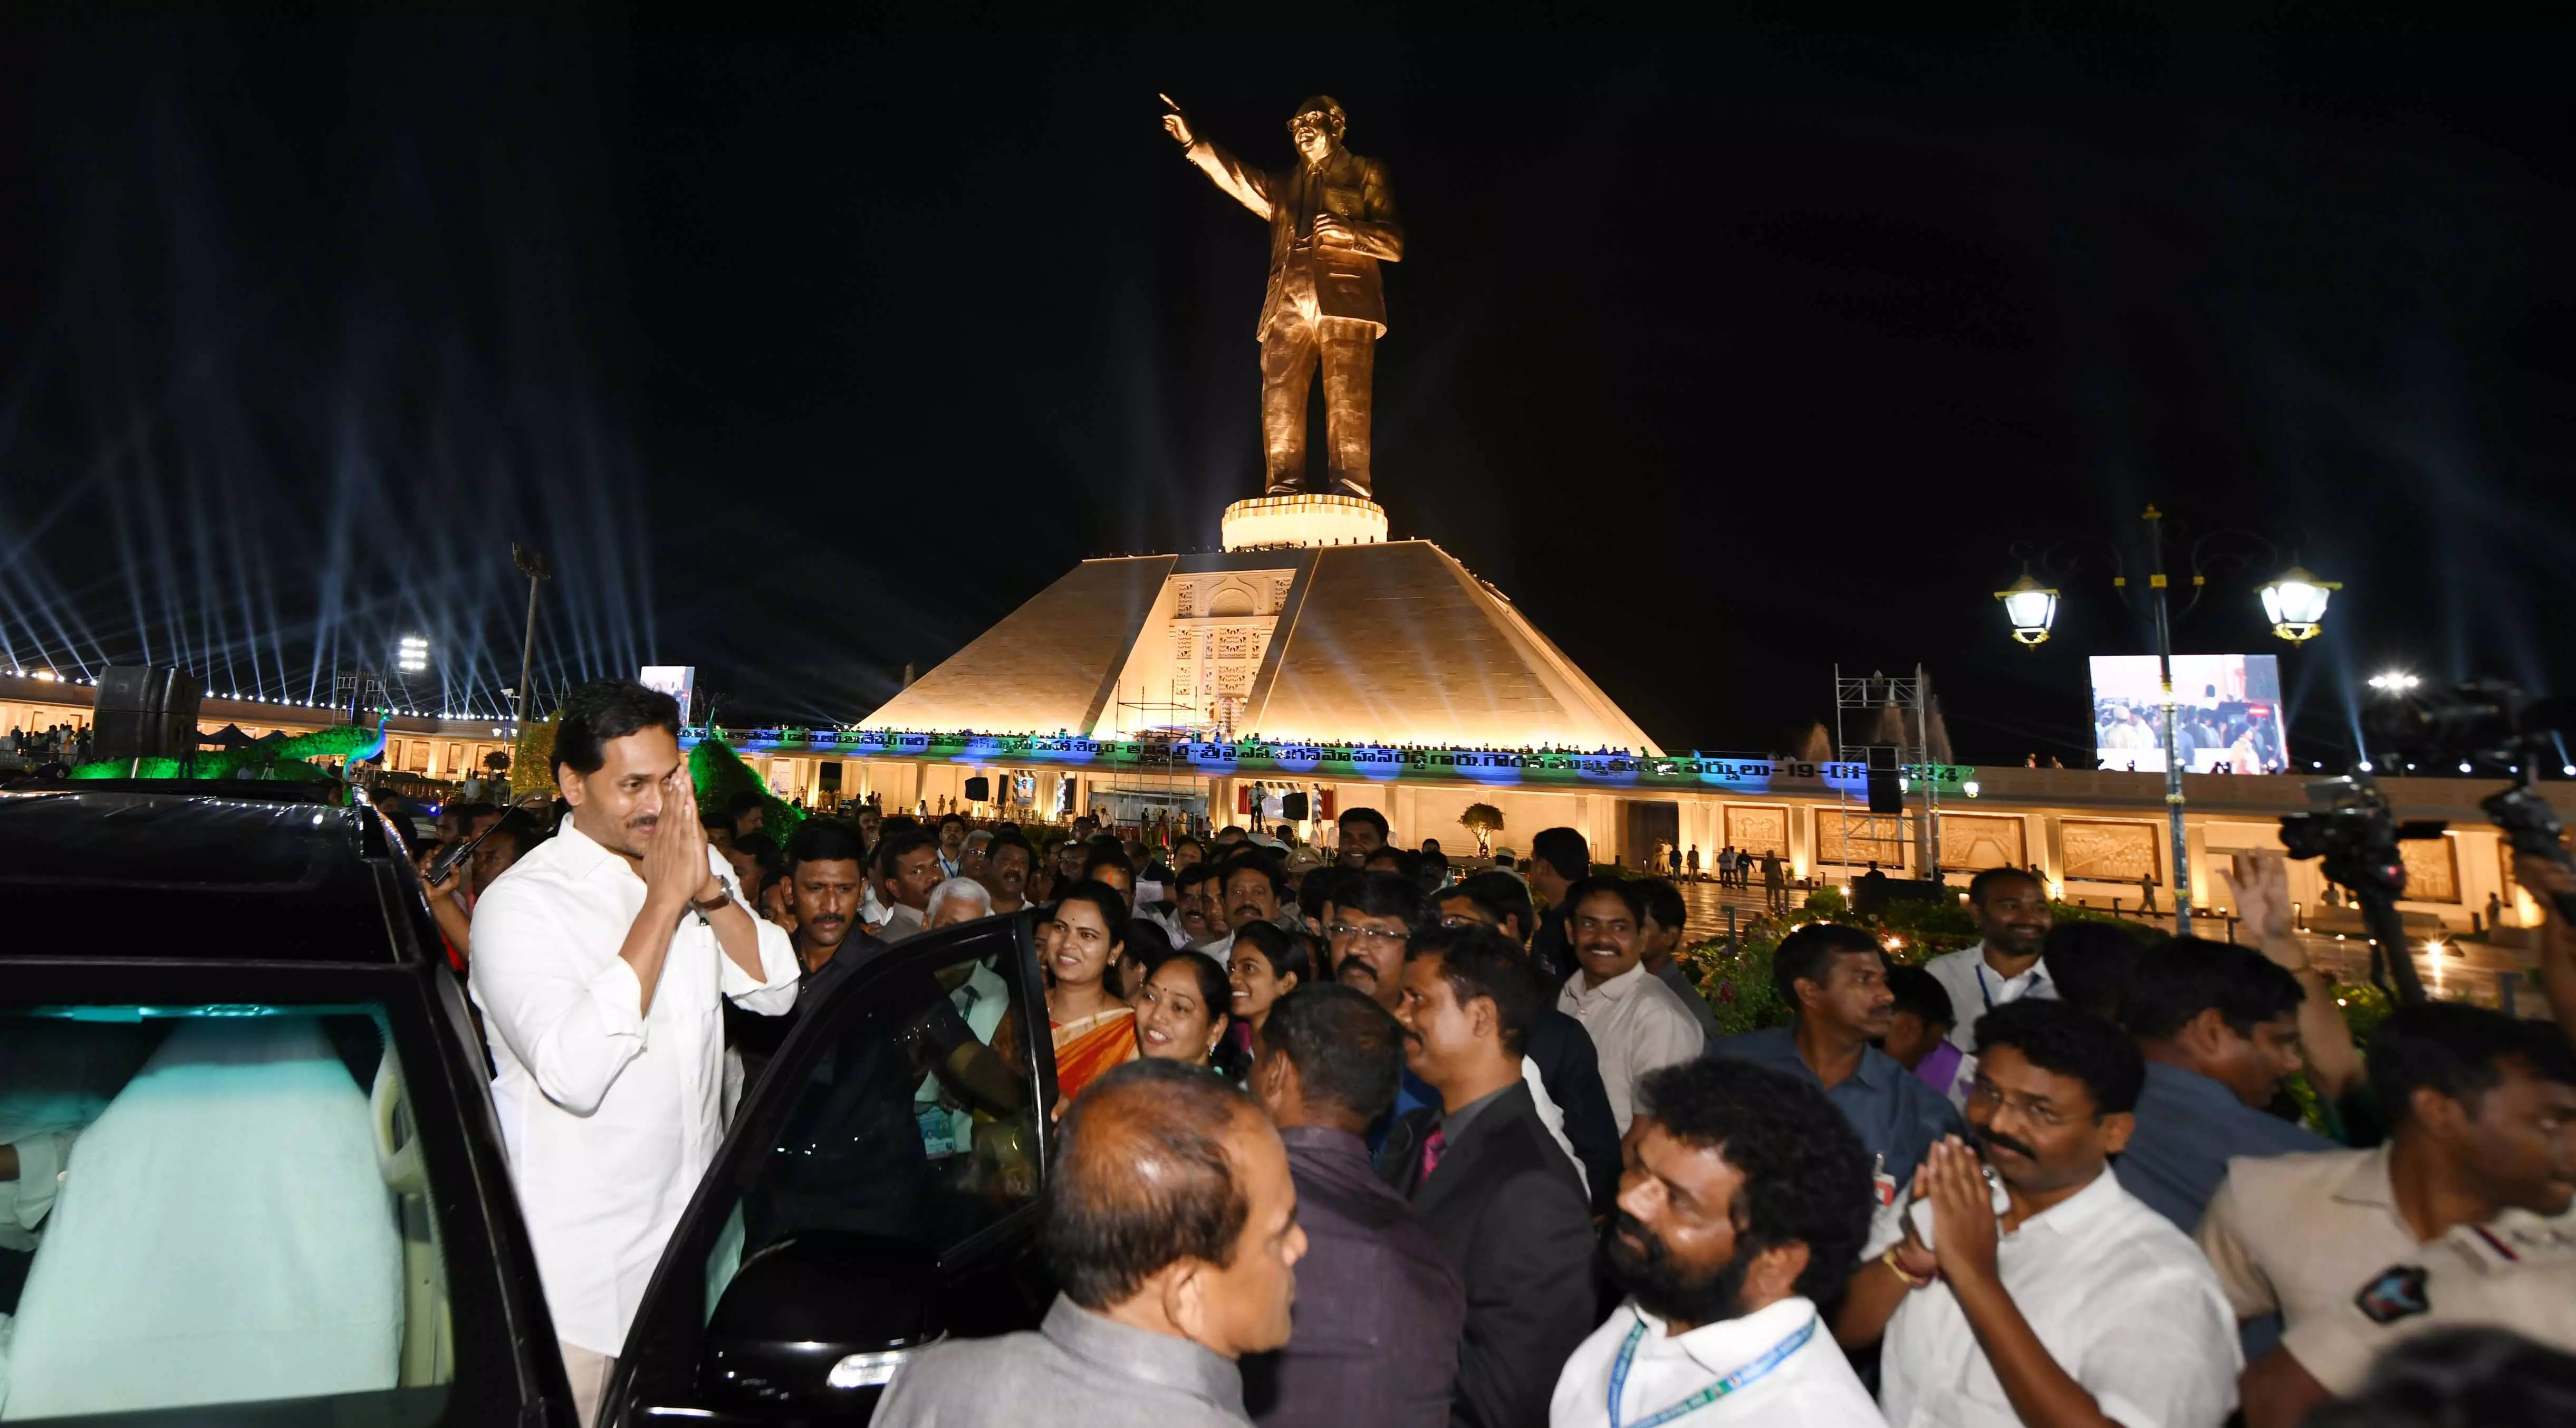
(55, 744)
(1358, 1136)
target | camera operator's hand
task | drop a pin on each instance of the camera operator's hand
(2263, 900)
(2263, 903)
(2548, 878)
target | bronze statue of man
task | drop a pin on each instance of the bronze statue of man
(1332, 221)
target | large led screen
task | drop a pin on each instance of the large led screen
(2228, 714)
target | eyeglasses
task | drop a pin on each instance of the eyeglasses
(1982, 1092)
(1344, 929)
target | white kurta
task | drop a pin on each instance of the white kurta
(1814, 1387)
(2118, 1296)
(610, 1115)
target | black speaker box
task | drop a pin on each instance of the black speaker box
(148, 712)
(1884, 795)
(979, 789)
(1292, 806)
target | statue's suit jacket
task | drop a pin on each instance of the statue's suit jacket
(1351, 188)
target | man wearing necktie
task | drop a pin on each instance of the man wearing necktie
(1332, 221)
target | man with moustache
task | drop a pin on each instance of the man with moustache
(2010, 907)
(1740, 1206)
(1252, 889)
(824, 879)
(1835, 978)
(597, 964)
(1504, 1202)
(907, 869)
(1006, 872)
(1637, 1024)
(2071, 1303)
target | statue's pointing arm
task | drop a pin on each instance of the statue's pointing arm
(1250, 186)
(1379, 235)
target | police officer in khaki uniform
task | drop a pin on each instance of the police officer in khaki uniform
(2484, 1143)
(2476, 1276)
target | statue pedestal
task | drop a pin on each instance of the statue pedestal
(1303, 520)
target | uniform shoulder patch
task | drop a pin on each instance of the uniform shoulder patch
(2396, 1293)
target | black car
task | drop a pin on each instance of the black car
(290, 1205)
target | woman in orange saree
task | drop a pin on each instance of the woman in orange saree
(1092, 1029)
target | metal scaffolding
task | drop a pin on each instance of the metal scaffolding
(1891, 716)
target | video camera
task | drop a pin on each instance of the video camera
(2485, 722)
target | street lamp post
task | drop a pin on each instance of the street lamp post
(533, 566)
(2294, 601)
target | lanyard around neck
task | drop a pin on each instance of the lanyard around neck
(1989, 997)
(1735, 1382)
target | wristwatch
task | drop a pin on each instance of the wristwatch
(723, 897)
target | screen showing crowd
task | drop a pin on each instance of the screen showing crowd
(2227, 719)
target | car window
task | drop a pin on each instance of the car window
(917, 1122)
(204, 1205)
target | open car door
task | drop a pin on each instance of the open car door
(877, 1192)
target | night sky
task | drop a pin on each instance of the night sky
(809, 342)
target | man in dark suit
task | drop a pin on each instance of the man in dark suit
(1332, 221)
(1505, 1204)
(1379, 1310)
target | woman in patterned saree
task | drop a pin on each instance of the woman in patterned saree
(1092, 1028)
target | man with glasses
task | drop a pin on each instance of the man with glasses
(2020, 1283)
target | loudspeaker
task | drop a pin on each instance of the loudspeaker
(979, 789)
(1884, 795)
(148, 712)
(1292, 806)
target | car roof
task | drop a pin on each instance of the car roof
(191, 872)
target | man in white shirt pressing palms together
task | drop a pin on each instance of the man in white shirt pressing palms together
(599, 959)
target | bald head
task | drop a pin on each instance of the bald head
(1143, 1179)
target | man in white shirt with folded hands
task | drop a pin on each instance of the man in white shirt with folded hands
(599, 959)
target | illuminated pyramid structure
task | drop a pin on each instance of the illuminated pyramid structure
(1310, 626)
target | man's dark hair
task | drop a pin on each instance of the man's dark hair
(894, 847)
(2459, 1051)
(1807, 955)
(1254, 863)
(1330, 884)
(1012, 838)
(826, 840)
(947, 818)
(1366, 818)
(2066, 1041)
(1191, 876)
(1631, 895)
(1977, 885)
(466, 813)
(1919, 992)
(1187, 841)
(1384, 895)
(894, 823)
(2091, 964)
(1481, 962)
(1499, 896)
(1564, 850)
(1408, 864)
(1806, 1177)
(1100, 857)
(604, 710)
(1348, 1052)
(2180, 977)
(523, 830)
(744, 802)
(2492, 1377)
(1285, 951)
(1664, 904)
(1142, 1180)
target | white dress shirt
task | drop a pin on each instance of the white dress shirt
(1814, 1387)
(1637, 1025)
(610, 1114)
(2119, 1297)
(1976, 989)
